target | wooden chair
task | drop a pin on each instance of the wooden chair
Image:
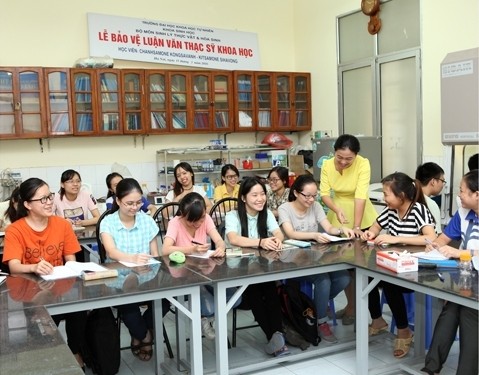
(102, 254)
(163, 216)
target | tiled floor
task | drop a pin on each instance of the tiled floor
(381, 360)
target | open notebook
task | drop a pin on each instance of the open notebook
(73, 269)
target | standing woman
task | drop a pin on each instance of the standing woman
(278, 180)
(74, 204)
(344, 189)
(37, 241)
(229, 183)
(301, 219)
(407, 220)
(129, 235)
(184, 184)
(253, 225)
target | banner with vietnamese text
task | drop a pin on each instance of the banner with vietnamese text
(164, 42)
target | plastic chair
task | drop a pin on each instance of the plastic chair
(163, 216)
(102, 254)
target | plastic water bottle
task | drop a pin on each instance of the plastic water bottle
(465, 264)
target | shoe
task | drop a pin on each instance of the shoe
(347, 320)
(402, 346)
(207, 329)
(376, 331)
(276, 345)
(339, 313)
(324, 331)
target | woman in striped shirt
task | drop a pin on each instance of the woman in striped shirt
(406, 220)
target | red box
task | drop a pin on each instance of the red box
(396, 261)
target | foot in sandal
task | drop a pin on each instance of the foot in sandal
(402, 344)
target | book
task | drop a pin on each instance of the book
(73, 269)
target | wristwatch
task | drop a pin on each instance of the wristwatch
(341, 231)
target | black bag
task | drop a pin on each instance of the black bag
(102, 342)
(298, 311)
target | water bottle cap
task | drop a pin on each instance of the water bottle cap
(465, 257)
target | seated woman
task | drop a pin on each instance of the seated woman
(130, 235)
(37, 241)
(278, 180)
(184, 184)
(229, 183)
(253, 225)
(302, 218)
(463, 227)
(408, 221)
(112, 181)
(188, 232)
(74, 204)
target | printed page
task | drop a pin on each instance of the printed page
(131, 264)
(205, 255)
(431, 255)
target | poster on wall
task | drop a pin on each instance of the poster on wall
(165, 42)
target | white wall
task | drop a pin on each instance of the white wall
(294, 35)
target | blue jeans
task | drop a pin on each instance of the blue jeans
(327, 286)
(207, 299)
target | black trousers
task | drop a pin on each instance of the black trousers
(395, 301)
(263, 300)
(75, 324)
(452, 317)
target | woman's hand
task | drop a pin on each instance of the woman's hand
(321, 238)
(386, 239)
(368, 235)
(220, 252)
(350, 233)
(201, 248)
(357, 232)
(341, 216)
(450, 252)
(141, 258)
(43, 268)
(271, 243)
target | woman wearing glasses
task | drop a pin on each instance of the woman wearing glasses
(302, 219)
(129, 235)
(344, 189)
(278, 180)
(229, 183)
(37, 241)
(72, 203)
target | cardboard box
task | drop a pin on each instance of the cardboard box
(265, 164)
(296, 164)
(256, 164)
(396, 261)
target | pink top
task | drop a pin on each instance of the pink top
(178, 233)
(77, 209)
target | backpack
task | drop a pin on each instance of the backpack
(298, 311)
(101, 351)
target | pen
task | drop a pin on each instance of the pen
(196, 243)
(439, 274)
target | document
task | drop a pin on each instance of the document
(2, 279)
(131, 264)
(431, 255)
(207, 254)
(332, 238)
(73, 269)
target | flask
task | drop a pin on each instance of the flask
(465, 265)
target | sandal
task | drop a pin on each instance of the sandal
(402, 346)
(135, 349)
(282, 352)
(145, 354)
(376, 331)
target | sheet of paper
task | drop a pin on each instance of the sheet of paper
(332, 238)
(2, 279)
(130, 264)
(431, 255)
(205, 255)
(72, 269)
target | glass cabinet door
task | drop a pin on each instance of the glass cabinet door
(222, 102)
(283, 101)
(302, 103)
(109, 103)
(179, 102)
(263, 82)
(58, 102)
(7, 106)
(133, 102)
(244, 101)
(30, 102)
(157, 102)
(201, 102)
(83, 103)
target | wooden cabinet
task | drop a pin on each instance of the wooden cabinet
(97, 101)
(270, 101)
(41, 102)
(58, 100)
(22, 103)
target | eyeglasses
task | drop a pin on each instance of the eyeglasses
(273, 180)
(132, 204)
(308, 196)
(77, 182)
(232, 177)
(442, 180)
(44, 199)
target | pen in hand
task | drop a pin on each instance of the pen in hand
(196, 243)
